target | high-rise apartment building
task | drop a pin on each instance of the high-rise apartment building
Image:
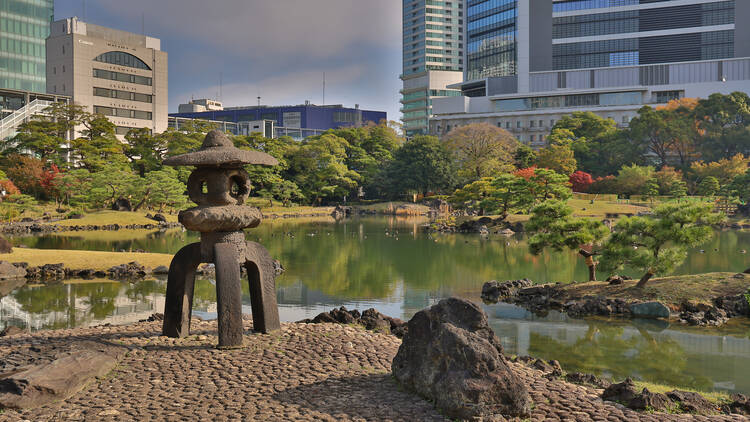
(433, 57)
(24, 25)
(115, 73)
(530, 62)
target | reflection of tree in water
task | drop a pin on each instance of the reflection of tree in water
(604, 350)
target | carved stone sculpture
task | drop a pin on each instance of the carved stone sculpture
(219, 186)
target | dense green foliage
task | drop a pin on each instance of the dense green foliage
(658, 243)
(552, 225)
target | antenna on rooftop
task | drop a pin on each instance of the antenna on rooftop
(258, 100)
(221, 85)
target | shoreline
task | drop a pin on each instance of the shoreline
(706, 300)
(340, 372)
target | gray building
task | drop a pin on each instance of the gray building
(531, 62)
(115, 73)
(433, 50)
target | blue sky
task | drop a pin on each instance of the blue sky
(277, 49)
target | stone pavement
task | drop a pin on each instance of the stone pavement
(305, 372)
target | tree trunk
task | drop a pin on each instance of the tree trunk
(646, 277)
(143, 201)
(589, 263)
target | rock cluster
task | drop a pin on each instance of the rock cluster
(492, 291)
(541, 298)
(587, 379)
(600, 306)
(341, 212)
(740, 404)
(717, 314)
(129, 270)
(371, 319)
(626, 394)
(451, 356)
(26, 228)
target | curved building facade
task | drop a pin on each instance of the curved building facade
(115, 73)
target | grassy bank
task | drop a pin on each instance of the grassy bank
(123, 218)
(79, 260)
(717, 397)
(700, 288)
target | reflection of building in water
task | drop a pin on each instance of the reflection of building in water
(78, 311)
(299, 294)
(723, 358)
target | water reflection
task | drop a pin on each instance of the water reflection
(391, 265)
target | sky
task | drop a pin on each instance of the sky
(237, 50)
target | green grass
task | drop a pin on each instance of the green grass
(717, 397)
(106, 217)
(599, 209)
(673, 290)
(79, 260)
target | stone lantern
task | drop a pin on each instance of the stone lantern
(219, 186)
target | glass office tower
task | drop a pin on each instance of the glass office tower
(491, 38)
(24, 27)
(433, 48)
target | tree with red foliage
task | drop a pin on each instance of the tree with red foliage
(581, 181)
(49, 181)
(526, 173)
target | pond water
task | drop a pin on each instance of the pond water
(391, 265)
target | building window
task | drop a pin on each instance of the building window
(518, 124)
(625, 119)
(63, 68)
(552, 122)
(541, 123)
(532, 123)
(122, 77)
(531, 139)
(507, 125)
(122, 59)
(663, 97)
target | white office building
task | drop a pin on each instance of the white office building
(531, 62)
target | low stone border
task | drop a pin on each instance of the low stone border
(37, 228)
(541, 298)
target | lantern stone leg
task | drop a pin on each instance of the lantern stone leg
(261, 274)
(178, 306)
(219, 186)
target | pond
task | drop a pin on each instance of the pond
(392, 265)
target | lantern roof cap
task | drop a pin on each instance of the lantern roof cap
(219, 151)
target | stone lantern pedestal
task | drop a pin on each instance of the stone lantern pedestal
(219, 186)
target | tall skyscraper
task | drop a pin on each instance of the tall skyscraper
(24, 25)
(531, 62)
(433, 50)
(111, 72)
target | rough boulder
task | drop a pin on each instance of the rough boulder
(451, 356)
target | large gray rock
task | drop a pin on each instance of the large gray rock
(57, 380)
(649, 310)
(451, 356)
(9, 271)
